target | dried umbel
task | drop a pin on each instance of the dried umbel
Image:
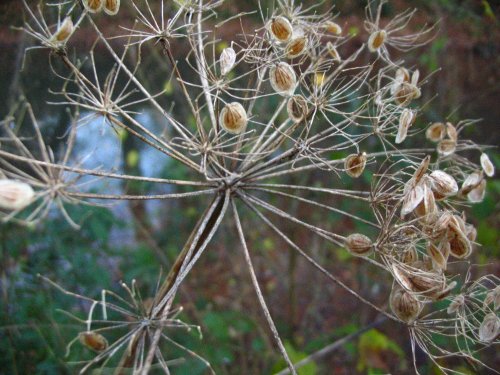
(64, 31)
(111, 7)
(487, 165)
(377, 40)
(358, 244)
(442, 184)
(233, 118)
(283, 79)
(93, 6)
(227, 60)
(15, 195)
(332, 28)
(436, 132)
(281, 29)
(406, 119)
(355, 164)
(406, 306)
(489, 328)
(297, 108)
(296, 47)
(93, 340)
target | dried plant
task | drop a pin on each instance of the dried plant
(323, 101)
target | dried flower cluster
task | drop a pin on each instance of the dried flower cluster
(280, 101)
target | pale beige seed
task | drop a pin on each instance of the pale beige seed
(460, 246)
(111, 7)
(422, 169)
(297, 108)
(283, 79)
(332, 51)
(487, 165)
(410, 255)
(471, 182)
(355, 164)
(64, 31)
(233, 118)
(332, 27)
(377, 40)
(227, 60)
(446, 147)
(442, 184)
(489, 328)
(427, 209)
(476, 195)
(436, 132)
(412, 199)
(439, 254)
(406, 120)
(455, 305)
(93, 6)
(405, 93)
(15, 195)
(281, 29)
(93, 340)
(451, 131)
(296, 47)
(493, 298)
(358, 244)
(404, 305)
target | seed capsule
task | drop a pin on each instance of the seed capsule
(439, 254)
(476, 195)
(283, 80)
(93, 340)
(487, 165)
(493, 298)
(296, 47)
(489, 328)
(446, 147)
(332, 28)
(460, 246)
(436, 132)
(376, 40)
(111, 7)
(333, 52)
(419, 280)
(281, 29)
(355, 164)
(442, 184)
(404, 305)
(451, 131)
(227, 60)
(93, 6)
(64, 31)
(297, 108)
(471, 182)
(427, 208)
(15, 195)
(233, 118)
(406, 120)
(358, 244)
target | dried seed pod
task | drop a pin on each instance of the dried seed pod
(427, 208)
(418, 280)
(422, 168)
(233, 118)
(283, 80)
(297, 108)
(64, 31)
(93, 6)
(446, 147)
(487, 165)
(93, 340)
(111, 7)
(439, 254)
(333, 52)
(493, 298)
(227, 60)
(470, 232)
(476, 195)
(358, 244)
(296, 47)
(460, 246)
(355, 164)
(281, 29)
(405, 93)
(442, 294)
(411, 200)
(406, 119)
(489, 328)
(377, 40)
(15, 195)
(436, 132)
(332, 27)
(441, 225)
(410, 255)
(404, 305)
(442, 184)
(471, 182)
(451, 131)
(456, 304)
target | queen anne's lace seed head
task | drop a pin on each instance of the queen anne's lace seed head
(281, 29)
(93, 340)
(283, 79)
(404, 305)
(377, 40)
(233, 118)
(489, 328)
(93, 6)
(15, 195)
(487, 165)
(64, 31)
(297, 108)
(111, 7)
(358, 244)
(227, 60)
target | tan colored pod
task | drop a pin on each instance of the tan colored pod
(15, 195)
(93, 6)
(111, 7)
(487, 165)
(93, 340)
(283, 79)
(332, 28)
(233, 118)
(377, 40)
(442, 184)
(64, 31)
(281, 29)
(489, 328)
(296, 47)
(358, 244)
(404, 305)
(355, 164)
(436, 132)
(297, 108)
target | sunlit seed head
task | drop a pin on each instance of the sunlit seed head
(446, 147)
(377, 40)
(15, 195)
(64, 31)
(93, 6)
(332, 51)
(355, 164)
(487, 165)
(442, 184)
(227, 60)
(297, 108)
(404, 305)
(489, 328)
(296, 47)
(332, 28)
(358, 244)
(111, 7)
(93, 340)
(436, 132)
(283, 79)
(281, 29)
(233, 118)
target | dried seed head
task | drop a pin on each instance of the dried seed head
(406, 119)
(377, 40)
(296, 47)
(233, 118)
(476, 195)
(111, 7)
(446, 147)
(442, 184)
(93, 6)
(281, 29)
(15, 195)
(333, 52)
(493, 298)
(440, 227)
(456, 304)
(64, 31)
(358, 244)
(489, 328)
(436, 132)
(419, 280)
(487, 165)
(227, 60)
(404, 305)
(93, 340)
(355, 164)
(283, 80)
(297, 108)
(332, 27)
